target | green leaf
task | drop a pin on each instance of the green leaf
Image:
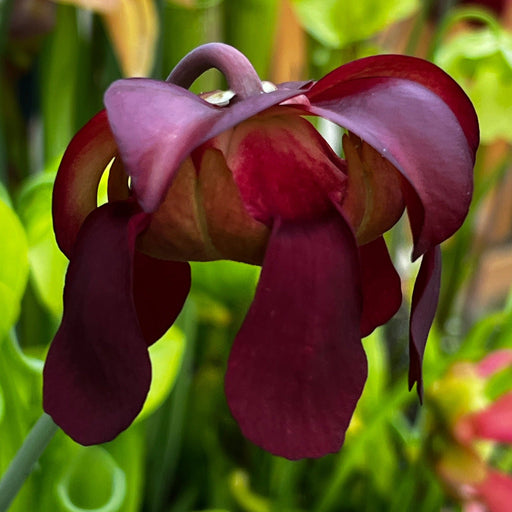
(499, 384)
(226, 281)
(337, 23)
(47, 263)
(59, 81)
(166, 356)
(2, 405)
(378, 370)
(4, 195)
(250, 27)
(93, 481)
(481, 61)
(13, 267)
(129, 450)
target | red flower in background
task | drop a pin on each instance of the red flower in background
(253, 181)
(464, 462)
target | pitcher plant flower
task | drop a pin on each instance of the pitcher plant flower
(243, 175)
(468, 426)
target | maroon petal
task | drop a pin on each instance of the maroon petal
(98, 372)
(382, 291)
(297, 366)
(159, 288)
(408, 68)
(423, 308)
(428, 131)
(76, 186)
(157, 125)
(284, 168)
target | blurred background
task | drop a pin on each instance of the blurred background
(184, 452)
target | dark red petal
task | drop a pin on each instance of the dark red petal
(408, 68)
(297, 366)
(284, 168)
(76, 185)
(382, 291)
(157, 125)
(98, 372)
(425, 134)
(160, 289)
(423, 308)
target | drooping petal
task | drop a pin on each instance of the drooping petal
(98, 372)
(159, 290)
(494, 422)
(423, 308)
(382, 291)
(76, 185)
(496, 491)
(428, 131)
(297, 367)
(284, 168)
(157, 125)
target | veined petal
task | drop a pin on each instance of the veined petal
(157, 125)
(297, 366)
(423, 308)
(98, 372)
(428, 132)
(382, 291)
(284, 168)
(76, 185)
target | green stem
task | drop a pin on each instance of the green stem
(461, 14)
(29, 453)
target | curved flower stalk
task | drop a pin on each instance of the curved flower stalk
(469, 418)
(244, 176)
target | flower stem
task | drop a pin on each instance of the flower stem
(22, 464)
(239, 72)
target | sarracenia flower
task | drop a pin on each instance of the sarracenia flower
(248, 178)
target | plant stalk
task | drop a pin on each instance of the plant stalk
(24, 461)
